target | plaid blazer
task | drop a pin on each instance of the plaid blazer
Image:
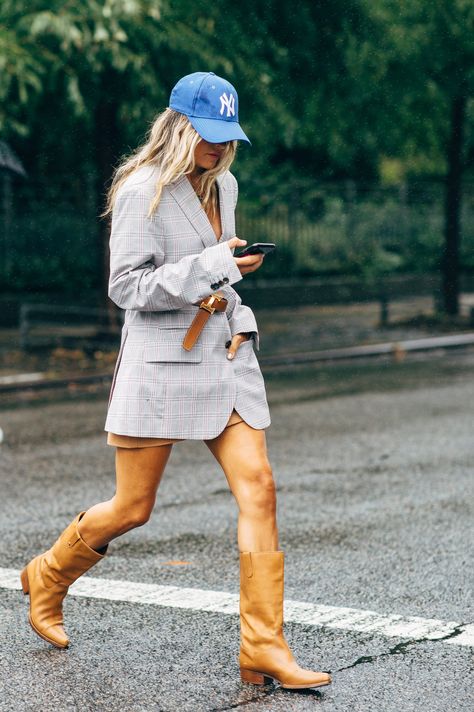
(160, 266)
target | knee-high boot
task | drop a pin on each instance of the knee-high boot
(47, 579)
(264, 652)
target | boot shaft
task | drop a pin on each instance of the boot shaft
(264, 652)
(47, 577)
(69, 557)
(261, 596)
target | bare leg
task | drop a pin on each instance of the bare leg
(241, 451)
(138, 475)
(264, 652)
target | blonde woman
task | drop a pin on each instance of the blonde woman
(186, 368)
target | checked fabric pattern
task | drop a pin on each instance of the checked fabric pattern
(160, 267)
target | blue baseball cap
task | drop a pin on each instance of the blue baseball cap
(211, 105)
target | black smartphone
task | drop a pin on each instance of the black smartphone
(257, 248)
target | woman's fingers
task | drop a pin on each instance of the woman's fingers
(245, 264)
(250, 263)
(236, 242)
(235, 343)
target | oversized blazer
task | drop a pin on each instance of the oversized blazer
(160, 268)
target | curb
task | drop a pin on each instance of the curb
(397, 349)
(393, 348)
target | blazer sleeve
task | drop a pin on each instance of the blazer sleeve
(139, 277)
(241, 318)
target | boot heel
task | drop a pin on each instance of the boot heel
(254, 678)
(24, 582)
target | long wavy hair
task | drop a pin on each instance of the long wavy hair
(170, 147)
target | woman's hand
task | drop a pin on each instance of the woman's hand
(245, 264)
(235, 343)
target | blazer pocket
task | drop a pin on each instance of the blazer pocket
(169, 348)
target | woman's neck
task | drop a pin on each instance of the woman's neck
(195, 176)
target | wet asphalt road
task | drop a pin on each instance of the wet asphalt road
(375, 512)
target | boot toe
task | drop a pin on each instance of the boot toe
(306, 678)
(58, 637)
(54, 634)
(317, 678)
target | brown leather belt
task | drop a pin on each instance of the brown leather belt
(214, 303)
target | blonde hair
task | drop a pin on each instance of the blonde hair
(170, 147)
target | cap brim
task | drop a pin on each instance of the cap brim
(217, 131)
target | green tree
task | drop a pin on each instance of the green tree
(92, 54)
(327, 91)
(429, 52)
(102, 71)
(22, 69)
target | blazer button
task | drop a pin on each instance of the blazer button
(226, 280)
(215, 286)
(221, 283)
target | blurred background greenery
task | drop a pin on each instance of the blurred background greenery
(360, 113)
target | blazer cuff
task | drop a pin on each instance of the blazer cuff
(243, 323)
(254, 335)
(220, 266)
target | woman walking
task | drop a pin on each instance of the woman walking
(186, 368)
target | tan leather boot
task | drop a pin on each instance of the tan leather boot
(47, 579)
(264, 652)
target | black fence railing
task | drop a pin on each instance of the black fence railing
(52, 243)
(360, 231)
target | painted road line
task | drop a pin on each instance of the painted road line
(392, 626)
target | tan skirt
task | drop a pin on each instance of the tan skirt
(130, 441)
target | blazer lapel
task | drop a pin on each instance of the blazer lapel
(183, 192)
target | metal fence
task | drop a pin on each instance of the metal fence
(49, 240)
(52, 242)
(47, 325)
(358, 230)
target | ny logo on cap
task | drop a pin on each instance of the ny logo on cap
(229, 103)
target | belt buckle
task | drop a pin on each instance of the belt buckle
(208, 302)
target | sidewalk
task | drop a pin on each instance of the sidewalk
(282, 331)
(324, 327)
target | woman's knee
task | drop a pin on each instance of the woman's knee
(134, 514)
(258, 492)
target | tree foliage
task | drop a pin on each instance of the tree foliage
(433, 102)
(329, 91)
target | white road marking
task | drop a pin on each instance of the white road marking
(411, 627)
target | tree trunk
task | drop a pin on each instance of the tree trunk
(452, 227)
